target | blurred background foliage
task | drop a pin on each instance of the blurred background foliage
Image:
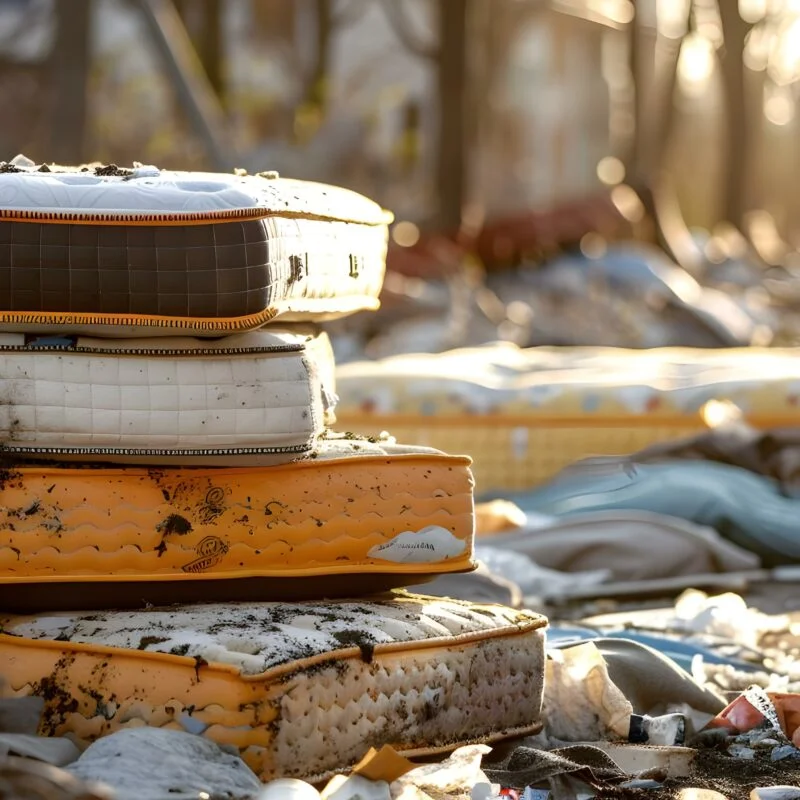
(434, 107)
(502, 133)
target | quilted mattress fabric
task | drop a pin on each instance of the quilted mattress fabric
(255, 398)
(366, 513)
(301, 689)
(145, 252)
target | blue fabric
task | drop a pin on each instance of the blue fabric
(746, 508)
(682, 653)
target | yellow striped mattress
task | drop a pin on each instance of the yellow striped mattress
(354, 516)
(301, 690)
(524, 414)
(256, 398)
(147, 252)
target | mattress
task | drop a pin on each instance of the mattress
(301, 690)
(144, 252)
(354, 515)
(256, 398)
(524, 414)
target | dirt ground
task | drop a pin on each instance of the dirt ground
(732, 777)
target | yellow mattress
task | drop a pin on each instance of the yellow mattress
(300, 689)
(524, 414)
(355, 515)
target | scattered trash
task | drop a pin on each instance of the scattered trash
(581, 702)
(139, 763)
(288, 789)
(456, 776)
(669, 729)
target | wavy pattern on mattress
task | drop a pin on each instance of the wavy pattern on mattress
(199, 254)
(301, 689)
(351, 508)
(251, 398)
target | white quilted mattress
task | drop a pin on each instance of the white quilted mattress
(256, 398)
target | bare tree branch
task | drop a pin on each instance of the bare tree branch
(169, 37)
(404, 31)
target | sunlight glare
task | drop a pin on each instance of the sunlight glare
(696, 64)
(672, 16)
(779, 109)
(406, 234)
(610, 170)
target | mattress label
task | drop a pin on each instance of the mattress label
(432, 543)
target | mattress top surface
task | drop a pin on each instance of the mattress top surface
(256, 637)
(95, 193)
(334, 445)
(503, 377)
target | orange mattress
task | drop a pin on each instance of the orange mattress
(354, 516)
(300, 689)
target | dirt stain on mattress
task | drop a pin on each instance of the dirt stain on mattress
(7, 476)
(359, 639)
(174, 523)
(59, 702)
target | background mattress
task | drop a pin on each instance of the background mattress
(255, 398)
(524, 414)
(367, 514)
(301, 689)
(144, 252)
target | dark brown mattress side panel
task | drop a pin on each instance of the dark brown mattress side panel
(219, 270)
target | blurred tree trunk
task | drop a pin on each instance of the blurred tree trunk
(636, 56)
(735, 30)
(70, 64)
(650, 178)
(169, 36)
(275, 20)
(317, 92)
(210, 46)
(453, 123)
(204, 21)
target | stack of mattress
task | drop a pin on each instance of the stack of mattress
(165, 402)
(525, 414)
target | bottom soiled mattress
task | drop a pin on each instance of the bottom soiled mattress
(356, 516)
(300, 689)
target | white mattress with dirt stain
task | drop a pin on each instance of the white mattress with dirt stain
(300, 689)
(256, 398)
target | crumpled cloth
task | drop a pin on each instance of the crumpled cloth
(527, 766)
(747, 509)
(627, 544)
(773, 453)
(19, 722)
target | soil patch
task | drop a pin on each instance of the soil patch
(732, 777)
